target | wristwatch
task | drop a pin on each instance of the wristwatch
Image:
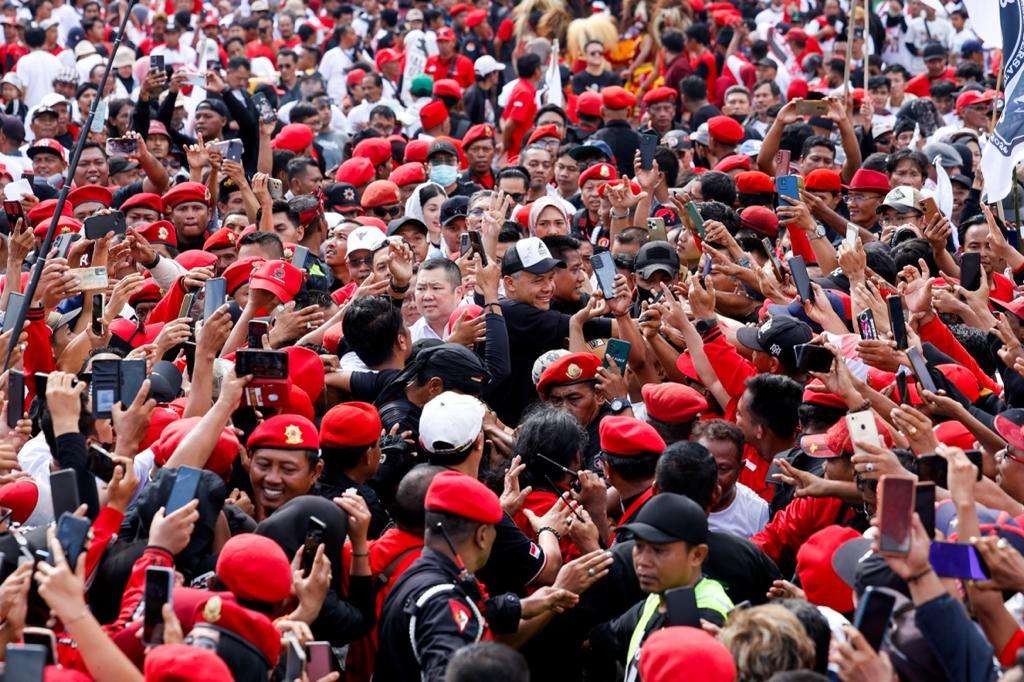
(819, 232)
(618, 405)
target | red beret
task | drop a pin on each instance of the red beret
(379, 193)
(64, 226)
(350, 425)
(573, 368)
(20, 496)
(144, 200)
(821, 583)
(481, 131)
(279, 278)
(589, 104)
(194, 258)
(149, 292)
(354, 77)
(90, 193)
(416, 151)
(821, 396)
(955, 434)
(433, 114)
(822, 180)
(726, 130)
(447, 87)
(371, 221)
(295, 137)
(221, 239)
(963, 379)
(178, 662)
(550, 130)
(284, 432)
(46, 209)
(386, 56)
(616, 97)
(356, 171)
(376, 149)
(219, 461)
(661, 94)
(754, 182)
(599, 171)
(251, 626)
(239, 272)
(186, 192)
(629, 437)
(733, 162)
(159, 232)
(672, 403)
(306, 369)
(297, 403)
(408, 174)
(760, 219)
(254, 567)
(682, 653)
(159, 420)
(445, 35)
(476, 17)
(454, 493)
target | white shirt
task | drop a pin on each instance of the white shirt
(746, 516)
(359, 115)
(183, 55)
(334, 68)
(68, 17)
(37, 70)
(421, 329)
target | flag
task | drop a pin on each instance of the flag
(1005, 148)
(985, 22)
(553, 79)
(944, 196)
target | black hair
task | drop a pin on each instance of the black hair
(633, 469)
(668, 163)
(553, 108)
(716, 210)
(774, 401)
(897, 68)
(915, 157)
(287, 52)
(673, 41)
(319, 298)
(718, 186)
(302, 111)
(878, 161)
(528, 65)
(553, 433)
(383, 111)
(969, 71)
(877, 83)
(487, 662)
(817, 141)
(266, 240)
(429, 192)
(688, 468)
(772, 86)
(700, 32)
(880, 260)
(694, 88)
(816, 626)
(816, 418)
(239, 62)
(342, 459)
(509, 235)
(457, 528)
(407, 510)
(450, 268)
(371, 326)
(793, 136)
(298, 166)
(559, 245)
(514, 172)
(910, 251)
(280, 161)
(720, 429)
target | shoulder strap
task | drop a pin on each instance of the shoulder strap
(426, 596)
(384, 576)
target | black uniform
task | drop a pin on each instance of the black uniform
(429, 616)
(624, 141)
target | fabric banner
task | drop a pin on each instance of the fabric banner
(985, 22)
(1005, 148)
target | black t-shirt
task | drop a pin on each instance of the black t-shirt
(366, 386)
(515, 560)
(708, 111)
(587, 81)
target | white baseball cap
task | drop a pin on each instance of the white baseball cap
(530, 254)
(487, 65)
(364, 238)
(903, 198)
(450, 422)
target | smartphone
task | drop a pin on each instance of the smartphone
(131, 375)
(92, 278)
(64, 492)
(264, 364)
(901, 386)
(769, 250)
(895, 512)
(99, 225)
(476, 242)
(866, 325)
(189, 347)
(186, 481)
(897, 321)
(798, 268)
(215, 292)
(14, 213)
(681, 607)
(300, 258)
(314, 538)
(783, 158)
(813, 358)
(263, 108)
(122, 146)
(40, 379)
(295, 659)
(464, 246)
(105, 387)
(788, 186)
(647, 145)
(929, 208)
(604, 270)
(953, 560)
(970, 271)
(14, 304)
(72, 532)
(852, 232)
(219, 146)
(159, 591)
(62, 243)
(696, 219)
(25, 663)
(617, 350)
(874, 609)
(43, 637)
(101, 464)
(656, 229)
(935, 468)
(920, 367)
(15, 397)
(811, 107)
(319, 660)
(156, 62)
(276, 188)
(257, 328)
(234, 151)
(862, 429)
(186, 304)
(924, 505)
(14, 191)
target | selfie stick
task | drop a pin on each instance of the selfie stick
(69, 176)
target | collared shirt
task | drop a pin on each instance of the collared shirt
(421, 329)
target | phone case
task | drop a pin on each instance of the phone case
(862, 428)
(895, 513)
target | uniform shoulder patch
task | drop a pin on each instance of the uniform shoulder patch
(460, 614)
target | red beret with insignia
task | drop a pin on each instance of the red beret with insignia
(144, 200)
(251, 626)
(159, 232)
(599, 171)
(176, 662)
(672, 403)
(65, 224)
(279, 278)
(221, 239)
(350, 425)
(239, 272)
(376, 149)
(295, 137)
(186, 192)
(90, 193)
(726, 130)
(220, 460)
(356, 171)
(617, 97)
(754, 182)
(408, 174)
(574, 368)
(629, 437)
(285, 432)
(661, 94)
(254, 567)
(454, 493)
(433, 114)
(481, 131)
(20, 496)
(416, 151)
(550, 130)
(379, 193)
(46, 209)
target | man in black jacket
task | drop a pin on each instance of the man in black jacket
(481, 99)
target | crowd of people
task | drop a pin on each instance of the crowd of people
(635, 339)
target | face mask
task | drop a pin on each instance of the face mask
(444, 175)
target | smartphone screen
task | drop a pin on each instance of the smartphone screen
(257, 328)
(696, 218)
(813, 358)
(314, 538)
(301, 257)
(801, 279)
(262, 364)
(96, 324)
(156, 62)
(873, 613)
(896, 509)
(105, 387)
(933, 469)
(25, 663)
(617, 350)
(681, 607)
(478, 246)
(64, 491)
(319, 663)
(604, 269)
(186, 481)
(953, 560)
(15, 397)
(897, 321)
(186, 304)
(101, 464)
(71, 534)
(866, 325)
(159, 587)
(647, 146)
(924, 505)
(215, 292)
(14, 304)
(920, 367)
(970, 271)
(132, 374)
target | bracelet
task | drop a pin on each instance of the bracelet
(360, 554)
(617, 216)
(915, 578)
(489, 306)
(77, 618)
(551, 530)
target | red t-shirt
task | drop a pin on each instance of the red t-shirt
(704, 64)
(520, 110)
(459, 67)
(921, 84)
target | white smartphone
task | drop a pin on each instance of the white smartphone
(220, 146)
(862, 429)
(852, 232)
(14, 191)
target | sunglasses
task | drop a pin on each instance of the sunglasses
(516, 196)
(365, 260)
(387, 211)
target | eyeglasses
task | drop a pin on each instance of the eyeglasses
(387, 211)
(476, 211)
(356, 262)
(516, 196)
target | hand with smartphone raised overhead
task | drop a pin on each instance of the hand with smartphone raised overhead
(61, 586)
(312, 589)
(857, 661)
(173, 531)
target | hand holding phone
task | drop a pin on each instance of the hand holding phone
(604, 270)
(896, 498)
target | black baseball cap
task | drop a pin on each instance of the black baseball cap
(777, 336)
(165, 381)
(215, 104)
(453, 208)
(592, 149)
(530, 254)
(442, 147)
(654, 256)
(932, 50)
(398, 223)
(668, 517)
(458, 367)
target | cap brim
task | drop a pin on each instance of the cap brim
(816, 445)
(1002, 305)
(452, 218)
(544, 266)
(272, 286)
(748, 337)
(405, 223)
(647, 533)
(847, 557)
(1009, 431)
(649, 270)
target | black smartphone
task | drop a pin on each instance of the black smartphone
(25, 663)
(895, 513)
(14, 212)
(186, 481)
(64, 492)
(40, 379)
(924, 505)
(920, 367)
(813, 358)
(901, 388)
(190, 357)
(866, 325)
(43, 637)
(263, 364)
(873, 613)
(62, 243)
(72, 532)
(773, 258)
(159, 588)
(970, 271)
(464, 246)
(122, 146)
(156, 62)
(15, 397)
(617, 350)
(798, 268)
(215, 292)
(314, 538)
(476, 243)
(132, 374)
(101, 464)
(14, 304)
(263, 108)
(295, 659)
(954, 560)
(897, 321)
(300, 258)
(604, 270)
(96, 323)
(319, 660)
(99, 225)
(933, 469)
(647, 145)
(105, 387)
(681, 607)
(257, 329)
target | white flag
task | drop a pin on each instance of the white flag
(944, 196)
(1005, 147)
(553, 79)
(985, 22)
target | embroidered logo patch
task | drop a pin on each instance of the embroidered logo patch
(460, 614)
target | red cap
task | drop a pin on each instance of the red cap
(408, 174)
(350, 425)
(796, 34)
(194, 258)
(447, 87)
(672, 403)
(295, 137)
(416, 151)
(820, 582)
(255, 568)
(379, 193)
(589, 104)
(460, 495)
(661, 94)
(64, 226)
(285, 432)
(629, 437)
(47, 144)
(433, 114)
(90, 193)
(685, 653)
(149, 292)
(604, 172)
(797, 89)
(354, 77)
(616, 97)
(160, 419)
(186, 192)
(836, 441)
(550, 130)
(239, 272)
(476, 17)
(726, 130)
(481, 131)
(823, 180)
(144, 200)
(970, 97)
(963, 379)
(459, 8)
(574, 368)
(356, 171)
(158, 128)
(386, 56)
(46, 209)
(279, 278)
(733, 162)
(376, 149)
(821, 396)
(761, 220)
(21, 497)
(178, 662)
(306, 369)
(251, 626)
(159, 232)
(445, 35)
(221, 239)
(220, 460)
(754, 182)
(955, 434)
(865, 180)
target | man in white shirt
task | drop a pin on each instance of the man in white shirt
(924, 27)
(175, 53)
(38, 68)
(337, 61)
(373, 95)
(438, 293)
(737, 509)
